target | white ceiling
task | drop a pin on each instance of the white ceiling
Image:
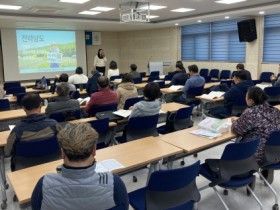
(67, 16)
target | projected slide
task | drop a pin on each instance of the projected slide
(46, 51)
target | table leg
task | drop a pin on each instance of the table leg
(3, 181)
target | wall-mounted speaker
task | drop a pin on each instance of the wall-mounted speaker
(247, 30)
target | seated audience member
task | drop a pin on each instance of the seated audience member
(126, 90)
(275, 82)
(195, 80)
(34, 126)
(104, 96)
(62, 103)
(257, 121)
(2, 92)
(236, 91)
(78, 185)
(78, 77)
(64, 78)
(133, 73)
(180, 77)
(113, 69)
(151, 105)
(92, 82)
(240, 67)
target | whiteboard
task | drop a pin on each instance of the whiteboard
(156, 66)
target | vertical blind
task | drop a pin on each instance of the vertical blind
(271, 42)
(217, 41)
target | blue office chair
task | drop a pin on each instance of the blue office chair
(11, 85)
(103, 108)
(265, 76)
(112, 78)
(192, 93)
(272, 155)
(273, 95)
(214, 73)
(15, 90)
(142, 74)
(235, 169)
(177, 121)
(168, 189)
(225, 74)
(137, 80)
(153, 78)
(105, 134)
(66, 115)
(4, 105)
(204, 72)
(131, 101)
(161, 84)
(19, 99)
(168, 77)
(74, 94)
(154, 74)
(139, 127)
(207, 79)
(34, 152)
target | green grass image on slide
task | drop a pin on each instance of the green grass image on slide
(39, 63)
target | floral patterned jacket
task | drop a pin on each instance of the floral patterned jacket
(257, 121)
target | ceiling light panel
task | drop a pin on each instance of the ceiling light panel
(153, 7)
(153, 16)
(74, 1)
(182, 10)
(102, 9)
(88, 13)
(229, 1)
(10, 7)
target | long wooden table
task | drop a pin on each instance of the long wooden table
(132, 155)
(206, 86)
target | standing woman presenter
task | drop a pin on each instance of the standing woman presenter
(100, 61)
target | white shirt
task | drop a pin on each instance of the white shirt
(113, 72)
(99, 62)
(78, 79)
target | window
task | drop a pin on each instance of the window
(216, 41)
(195, 42)
(271, 42)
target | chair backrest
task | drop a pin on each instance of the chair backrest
(265, 76)
(19, 98)
(207, 79)
(35, 152)
(4, 104)
(15, 90)
(161, 84)
(142, 74)
(272, 91)
(168, 77)
(74, 94)
(11, 85)
(137, 80)
(239, 159)
(195, 91)
(101, 125)
(154, 74)
(183, 118)
(204, 72)
(214, 73)
(103, 108)
(66, 115)
(140, 127)
(168, 189)
(112, 78)
(272, 149)
(152, 78)
(131, 101)
(225, 74)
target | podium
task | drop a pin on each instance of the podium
(156, 66)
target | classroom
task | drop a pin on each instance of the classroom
(156, 91)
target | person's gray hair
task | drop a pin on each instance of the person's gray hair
(63, 89)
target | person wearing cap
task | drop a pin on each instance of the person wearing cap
(34, 126)
(78, 185)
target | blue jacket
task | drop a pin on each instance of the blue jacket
(92, 84)
(179, 78)
(237, 91)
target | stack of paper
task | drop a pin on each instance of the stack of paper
(206, 133)
(176, 87)
(83, 101)
(213, 95)
(123, 113)
(118, 80)
(108, 165)
(262, 86)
